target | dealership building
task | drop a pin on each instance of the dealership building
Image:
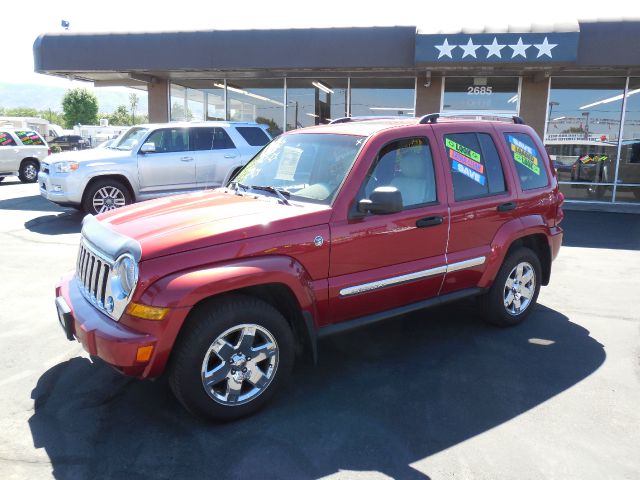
(575, 84)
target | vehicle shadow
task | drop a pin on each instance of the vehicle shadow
(618, 231)
(69, 221)
(31, 203)
(380, 399)
(7, 183)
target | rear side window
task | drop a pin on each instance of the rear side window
(210, 138)
(528, 161)
(476, 170)
(253, 135)
(29, 137)
(6, 140)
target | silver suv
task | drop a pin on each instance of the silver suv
(150, 161)
(21, 152)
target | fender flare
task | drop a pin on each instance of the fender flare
(504, 238)
(187, 288)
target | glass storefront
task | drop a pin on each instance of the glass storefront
(383, 96)
(257, 100)
(315, 101)
(582, 134)
(628, 179)
(497, 94)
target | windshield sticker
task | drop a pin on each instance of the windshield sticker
(478, 167)
(461, 149)
(524, 155)
(5, 139)
(467, 172)
(288, 163)
(593, 158)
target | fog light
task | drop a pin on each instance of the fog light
(147, 312)
(144, 353)
(57, 188)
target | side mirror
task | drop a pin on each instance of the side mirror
(149, 147)
(383, 200)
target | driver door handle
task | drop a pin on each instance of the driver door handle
(230, 155)
(429, 222)
(186, 159)
(505, 207)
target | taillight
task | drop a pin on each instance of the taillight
(559, 211)
(49, 151)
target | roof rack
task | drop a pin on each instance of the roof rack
(433, 117)
(366, 118)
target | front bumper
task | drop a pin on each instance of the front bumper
(62, 188)
(99, 335)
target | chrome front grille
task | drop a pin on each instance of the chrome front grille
(92, 272)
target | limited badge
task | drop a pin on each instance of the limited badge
(318, 241)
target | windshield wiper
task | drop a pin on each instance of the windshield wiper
(239, 185)
(280, 192)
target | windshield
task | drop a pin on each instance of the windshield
(305, 166)
(131, 138)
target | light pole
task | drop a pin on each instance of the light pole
(551, 105)
(586, 125)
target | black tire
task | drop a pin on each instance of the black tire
(121, 195)
(1, 179)
(205, 325)
(28, 172)
(492, 303)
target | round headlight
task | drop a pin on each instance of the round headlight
(124, 276)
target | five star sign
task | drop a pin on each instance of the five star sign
(494, 49)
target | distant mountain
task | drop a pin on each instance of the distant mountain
(41, 97)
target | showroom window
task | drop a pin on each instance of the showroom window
(628, 184)
(383, 96)
(257, 100)
(583, 128)
(315, 101)
(496, 94)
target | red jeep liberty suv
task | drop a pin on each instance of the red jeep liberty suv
(328, 228)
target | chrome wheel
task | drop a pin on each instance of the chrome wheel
(240, 364)
(519, 288)
(30, 172)
(108, 198)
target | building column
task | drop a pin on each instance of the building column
(534, 95)
(428, 99)
(158, 101)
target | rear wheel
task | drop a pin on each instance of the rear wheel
(105, 195)
(1, 179)
(28, 172)
(515, 289)
(231, 358)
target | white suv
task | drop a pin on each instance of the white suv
(21, 153)
(150, 161)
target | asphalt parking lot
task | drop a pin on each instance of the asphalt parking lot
(436, 394)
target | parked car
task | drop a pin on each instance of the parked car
(149, 161)
(21, 152)
(70, 142)
(326, 229)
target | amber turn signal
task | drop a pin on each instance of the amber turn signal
(144, 353)
(146, 312)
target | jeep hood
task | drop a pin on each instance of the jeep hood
(186, 222)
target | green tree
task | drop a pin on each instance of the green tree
(20, 112)
(80, 106)
(178, 113)
(120, 116)
(52, 117)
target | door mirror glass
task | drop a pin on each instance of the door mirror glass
(148, 147)
(383, 200)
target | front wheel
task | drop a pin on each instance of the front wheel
(28, 172)
(515, 289)
(231, 358)
(105, 195)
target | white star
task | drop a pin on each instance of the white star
(445, 49)
(519, 48)
(494, 48)
(545, 47)
(469, 49)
